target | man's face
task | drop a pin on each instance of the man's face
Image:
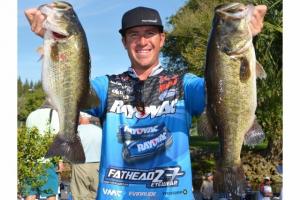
(143, 44)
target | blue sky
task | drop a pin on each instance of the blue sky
(101, 21)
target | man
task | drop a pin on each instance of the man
(266, 189)
(207, 187)
(147, 113)
(84, 181)
(44, 119)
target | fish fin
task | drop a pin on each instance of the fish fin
(40, 51)
(245, 72)
(205, 127)
(91, 100)
(70, 150)
(260, 72)
(230, 180)
(255, 135)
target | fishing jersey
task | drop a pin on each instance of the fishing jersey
(145, 141)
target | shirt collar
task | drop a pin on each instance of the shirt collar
(156, 70)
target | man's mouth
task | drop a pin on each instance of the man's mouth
(143, 52)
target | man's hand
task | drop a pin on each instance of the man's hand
(256, 23)
(36, 19)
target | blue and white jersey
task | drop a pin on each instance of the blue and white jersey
(145, 144)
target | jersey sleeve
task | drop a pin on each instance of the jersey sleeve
(194, 93)
(100, 85)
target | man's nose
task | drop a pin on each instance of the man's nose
(142, 40)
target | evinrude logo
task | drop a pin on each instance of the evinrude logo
(110, 192)
(167, 107)
(142, 194)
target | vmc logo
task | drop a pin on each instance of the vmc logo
(116, 193)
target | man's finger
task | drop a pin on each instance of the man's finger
(30, 13)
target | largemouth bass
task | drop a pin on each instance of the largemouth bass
(65, 75)
(230, 75)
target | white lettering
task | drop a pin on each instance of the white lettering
(110, 192)
(151, 143)
(167, 107)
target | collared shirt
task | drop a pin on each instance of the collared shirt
(156, 70)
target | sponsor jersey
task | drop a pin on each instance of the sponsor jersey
(146, 152)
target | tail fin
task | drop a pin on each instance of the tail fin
(70, 150)
(231, 181)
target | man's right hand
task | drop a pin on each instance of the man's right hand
(36, 19)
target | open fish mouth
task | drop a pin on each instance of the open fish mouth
(54, 13)
(61, 5)
(232, 10)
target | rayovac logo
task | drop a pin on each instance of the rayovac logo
(134, 133)
(167, 107)
(148, 145)
(141, 150)
(152, 178)
(110, 192)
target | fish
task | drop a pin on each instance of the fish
(65, 75)
(231, 70)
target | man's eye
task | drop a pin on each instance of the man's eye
(132, 35)
(150, 33)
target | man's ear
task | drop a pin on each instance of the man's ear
(162, 41)
(124, 42)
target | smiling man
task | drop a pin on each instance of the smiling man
(146, 113)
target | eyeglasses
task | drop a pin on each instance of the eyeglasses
(137, 89)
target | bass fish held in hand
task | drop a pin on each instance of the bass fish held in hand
(65, 75)
(230, 75)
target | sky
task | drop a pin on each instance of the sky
(101, 21)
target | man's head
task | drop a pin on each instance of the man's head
(143, 37)
(267, 180)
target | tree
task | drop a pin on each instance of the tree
(32, 146)
(30, 97)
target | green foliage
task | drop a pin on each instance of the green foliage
(32, 146)
(268, 47)
(186, 46)
(30, 97)
(186, 42)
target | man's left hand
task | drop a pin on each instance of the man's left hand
(256, 23)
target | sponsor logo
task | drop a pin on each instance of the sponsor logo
(167, 107)
(135, 133)
(167, 82)
(118, 92)
(149, 20)
(184, 191)
(110, 192)
(144, 146)
(158, 177)
(166, 94)
(142, 194)
(140, 143)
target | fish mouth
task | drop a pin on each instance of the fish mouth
(231, 10)
(54, 12)
(61, 5)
